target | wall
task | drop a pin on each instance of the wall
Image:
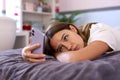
(73, 5)
(105, 11)
(107, 16)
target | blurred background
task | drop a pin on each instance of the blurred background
(105, 11)
(38, 14)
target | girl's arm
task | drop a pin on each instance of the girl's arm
(90, 52)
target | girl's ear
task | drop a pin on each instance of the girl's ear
(73, 28)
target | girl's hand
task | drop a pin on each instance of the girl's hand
(32, 57)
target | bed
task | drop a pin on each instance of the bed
(13, 67)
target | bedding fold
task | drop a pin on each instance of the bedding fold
(13, 67)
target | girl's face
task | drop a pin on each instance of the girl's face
(67, 40)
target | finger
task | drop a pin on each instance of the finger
(36, 60)
(32, 47)
(35, 56)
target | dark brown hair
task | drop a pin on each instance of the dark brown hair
(55, 27)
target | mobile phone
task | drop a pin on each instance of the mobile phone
(37, 37)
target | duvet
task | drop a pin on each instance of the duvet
(13, 67)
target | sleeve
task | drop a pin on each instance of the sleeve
(102, 32)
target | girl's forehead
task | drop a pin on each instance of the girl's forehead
(54, 41)
(59, 34)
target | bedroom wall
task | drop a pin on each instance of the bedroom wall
(108, 16)
(105, 11)
(73, 5)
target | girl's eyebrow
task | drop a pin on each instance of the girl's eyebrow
(61, 39)
(62, 36)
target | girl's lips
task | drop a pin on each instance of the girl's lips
(75, 48)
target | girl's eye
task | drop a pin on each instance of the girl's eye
(60, 48)
(65, 38)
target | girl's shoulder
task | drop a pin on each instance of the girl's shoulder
(100, 27)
